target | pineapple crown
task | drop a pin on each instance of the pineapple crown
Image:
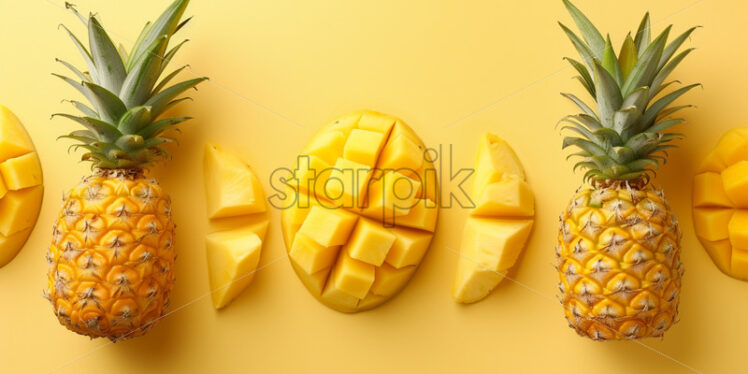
(625, 139)
(126, 97)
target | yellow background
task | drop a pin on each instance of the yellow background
(279, 69)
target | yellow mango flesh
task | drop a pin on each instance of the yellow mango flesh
(232, 261)
(708, 191)
(720, 203)
(232, 189)
(19, 209)
(359, 244)
(496, 232)
(20, 185)
(22, 171)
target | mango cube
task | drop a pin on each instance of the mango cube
(376, 122)
(370, 242)
(712, 163)
(341, 300)
(735, 181)
(315, 282)
(328, 227)
(408, 248)
(231, 186)
(363, 146)
(310, 255)
(311, 175)
(401, 153)
(347, 183)
(709, 192)
(738, 230)
(11, 245)
(327, 146)
(391, 194)
(720, 252)
(495, 158)
(232, 260)
(739, 264)
(422, 215)
(22, 171)
(19, 209)
(13, 138)
(509, 197)
(489, 247)
(732, 147)
(388, 280)
(711, 224)
(352, 276)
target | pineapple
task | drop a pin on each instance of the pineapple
(499, 225)
(720, 197)
(360, 210)
(111, 261)
(20, 186)
(236, 208)
(619, 243)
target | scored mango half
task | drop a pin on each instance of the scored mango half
(500, 223)
(720, 203)
(360, 210)
(21, 187)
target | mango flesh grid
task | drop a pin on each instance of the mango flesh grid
(500, 224)
(20, 186)
(232, 189)
(720, 202)
(372, 258)
(238, 224)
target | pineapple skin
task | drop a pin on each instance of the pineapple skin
(111, 261)
(619, 263)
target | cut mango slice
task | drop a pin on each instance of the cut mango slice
(22, 171)
(370, 242)
(14, 141)
(509, 197)
(489, 247)
(328, 227)
(708, 191)
(720, 252)
(232, 260)
(735, 181)
(711, 224)
(738, 230)
(352, 276)
(19, 209)
(732, 148)
(495, 158)
(232, 188)
(361, 241)
(363, 146)
(311, 256)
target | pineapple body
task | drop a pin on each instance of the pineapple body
(619, 263)
(111, 261)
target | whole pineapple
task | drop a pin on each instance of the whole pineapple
(619, 244)
(111, 261)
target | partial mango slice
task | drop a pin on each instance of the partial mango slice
(495, 158)
(232, 188)
(232, 260)
(311, 256)
(489, 248)
(720, 203)
(328, 227)
(500, 224)
(363, 146)
(14, 141)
